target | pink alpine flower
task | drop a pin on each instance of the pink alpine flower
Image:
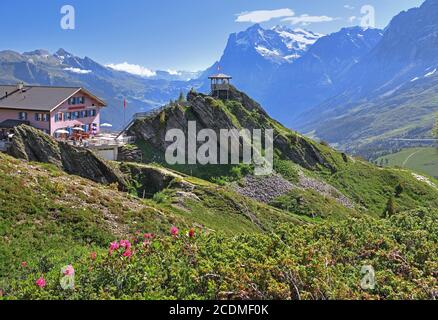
(69, 271)
(93, 256)
(174, 231)
(114, 246)
(41, 282)
(24, 264)
(148, 236)
(191, 233)
(127, 253)
(125, 244)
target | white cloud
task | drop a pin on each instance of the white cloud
(349, 7)
(306, 19)
(77, 70)
(263, 15)
(173, 72)
(133, 69)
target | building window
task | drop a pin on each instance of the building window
(58, 117)
(46, 117)
(22, 116)
(38, 117)
(93, 113)
(76, 100)
(67, 116)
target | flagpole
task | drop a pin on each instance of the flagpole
(124, 113)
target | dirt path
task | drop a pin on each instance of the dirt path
(409, 158)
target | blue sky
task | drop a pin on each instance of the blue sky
(170, 34)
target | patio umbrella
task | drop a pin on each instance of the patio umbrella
(78, 129)
(62, 131)
(106, 125)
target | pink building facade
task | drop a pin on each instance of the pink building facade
(32, 118)
(84, 112)
(51, 109)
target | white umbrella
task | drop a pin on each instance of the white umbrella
(62, 131)
(78, 129)
(107, 125)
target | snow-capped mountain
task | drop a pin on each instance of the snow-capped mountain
(297, 40)
(319, 73)
(279, 44)
(254, 55)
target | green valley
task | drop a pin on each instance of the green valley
(424, 160)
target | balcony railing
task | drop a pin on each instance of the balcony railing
(103, 141)
(220, 87)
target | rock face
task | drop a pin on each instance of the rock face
(239, 112)
(148, 180)
(129, 153)
(31, 144)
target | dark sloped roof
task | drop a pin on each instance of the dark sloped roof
(37, 98)
(9, 124)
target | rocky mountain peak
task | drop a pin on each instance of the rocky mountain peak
(61, 53)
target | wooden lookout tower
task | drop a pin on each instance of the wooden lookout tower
(220, 86)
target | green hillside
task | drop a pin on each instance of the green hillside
(424, 160)
(304, 232)
(297, 158)
(50, 220)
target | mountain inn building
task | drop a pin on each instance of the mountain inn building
(50, 109)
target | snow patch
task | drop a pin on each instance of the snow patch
(430, 73)
(265, 52)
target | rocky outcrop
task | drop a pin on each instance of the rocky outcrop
(239, 112)
(129, 153)
(31, 144)
(148, 180)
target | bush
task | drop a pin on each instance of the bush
(298, 261)
(159, 197)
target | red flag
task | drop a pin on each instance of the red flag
(124, 104)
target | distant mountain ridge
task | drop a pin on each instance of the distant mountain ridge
(391, 93)
(62, 68)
